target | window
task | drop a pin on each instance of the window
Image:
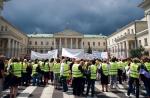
(52, 43)
(89, 43)
(83, 43)
(103, 43)
(35, 42)
(5, 28)
(132, 31)
(145, 42)
(47, 43)
(30, 42)
(139, 42)
(41, 51)
(93, 43)
(125, 33)
(128, 31)
(2, 28)
(41, 43)
(100, 43)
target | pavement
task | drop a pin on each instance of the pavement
(49, 92)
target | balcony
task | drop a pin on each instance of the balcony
(126, 37)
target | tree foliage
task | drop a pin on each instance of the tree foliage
(137, 52)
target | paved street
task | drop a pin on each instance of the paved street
(50, 92)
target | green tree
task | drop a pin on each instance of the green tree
(137, 52)
(89, 50)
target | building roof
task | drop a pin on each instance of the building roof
(68, 32)
(4, 20)
(40, 35)
(94, 36)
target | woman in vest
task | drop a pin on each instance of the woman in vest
(56, 69)
(134, 77)
(46, 72)
(91, 81)
(51, 64)
(104, 75)
(16, 77)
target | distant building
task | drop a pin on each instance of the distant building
(66, 39)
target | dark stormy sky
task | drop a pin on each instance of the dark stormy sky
(86, 16)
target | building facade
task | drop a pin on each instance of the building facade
(66, 39)
(13, 43)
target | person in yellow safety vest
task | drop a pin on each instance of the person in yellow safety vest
(16, 77)
(104, 75)
(64, 73)
(34, 72)
(24, 72)
(120, 71)
(51, 64)
(113, 73)
(56, 69)
(144, 71)
(91, 81)
(77, 74)
(134, 77)
(46, 69)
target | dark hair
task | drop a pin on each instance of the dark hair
(58, 60)
(52, 59)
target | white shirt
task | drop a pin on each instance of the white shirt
(62, 68)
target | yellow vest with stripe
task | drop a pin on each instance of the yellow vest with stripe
(75, 71)
(134, 70)
(56, 68)
(16, 69)
(34, 68)
(46, 67)
(113, 68)
(120, 65)
(105, 69)
(93, 70)
(147, 66)
(51, 65)
(66, 70)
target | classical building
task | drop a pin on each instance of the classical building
(13, 43)
(66, 39)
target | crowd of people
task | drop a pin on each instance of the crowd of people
(77, 73)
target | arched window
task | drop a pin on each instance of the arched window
(35, 42)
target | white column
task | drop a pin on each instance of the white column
(13, 48)
(8, 48)
(60, 43)
(54, 43)
(71, 43)
(148, 21)
(81, 44)
(19, 49)
(127, 47)
(76, 43)
(65, 42)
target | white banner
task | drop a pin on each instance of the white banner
(40, 56)
(73, 53)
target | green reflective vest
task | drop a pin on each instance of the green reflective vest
(105, 69)
(42, 65)
(46, 67)
(75, 71)
(24, 67)
(134, 70)
(113, 68)
(16, 69)
(66, 70)
(93, 70)
(120, 65)
(147, 66)
(56, 68)
(34, 68)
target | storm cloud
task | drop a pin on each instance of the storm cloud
(86, 16)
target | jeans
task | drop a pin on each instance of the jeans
(113, 80)
(131, 83)
(37, 79)
(64, 83)
(146, 82)
(91, 84)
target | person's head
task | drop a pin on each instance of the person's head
(58, 60)
(25, 60)
(15, 60)
(136, 60)
(77, 61)
(113, 59)
(52, 60)
(93, 62)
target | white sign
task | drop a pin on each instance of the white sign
(73, 53)
(40, 56)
